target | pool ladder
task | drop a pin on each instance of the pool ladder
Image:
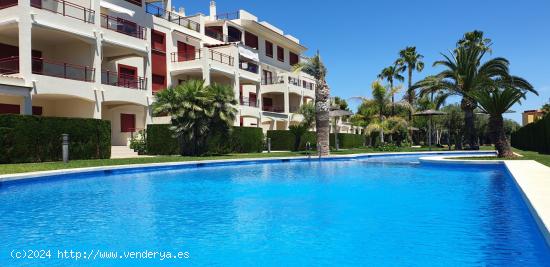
(308, 147)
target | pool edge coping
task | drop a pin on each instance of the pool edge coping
(531, 177)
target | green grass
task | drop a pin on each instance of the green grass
(527, 155)
(47, 166)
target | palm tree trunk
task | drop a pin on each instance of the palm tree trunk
(469, 122)
(498, 136)
(322, 120)
(392, 99)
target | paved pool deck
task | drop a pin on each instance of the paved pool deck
(532, 178)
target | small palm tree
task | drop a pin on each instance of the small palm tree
(390, 74)
(197, 112)
(495, 103)
(308, 121)
(314, 66)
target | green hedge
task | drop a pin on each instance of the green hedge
(241, 140)
(347, 140)
(533, 136)
(284, 140)
(37, 139)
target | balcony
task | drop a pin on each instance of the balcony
(7, 3)
(186, 56)
(245, 101)
(172, 17)
(122, 80)
(63, 70)
(228, 16)
(123, 26)
(9, 65)
(277, 109)
(221, 57)
(66, 9)
(248, 66)
(220, 37)
(271, 80)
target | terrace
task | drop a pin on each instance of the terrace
(172, 17)
(122, 80)
(123, 26)
(66, 9)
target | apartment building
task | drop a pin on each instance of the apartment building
(530, 116)
(106, 59)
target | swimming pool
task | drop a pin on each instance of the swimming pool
(389, 211)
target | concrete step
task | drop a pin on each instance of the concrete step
(119, 152)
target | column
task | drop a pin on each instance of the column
(25, 42)
(236, 93)
(287, 101)
(27, 104)
(205, 57)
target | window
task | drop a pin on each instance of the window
(292, 58)
(251, 40)
(135, 2)
(267, 77)
(127, 76)
(158, 83)
(186, 52)
(269, 49)
(127, 123)
(157, 41)
(36, 111)
(9, 109)
(280, 54)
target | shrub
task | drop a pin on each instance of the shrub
(534, 136)
(284, 140)
(347, 140)
(160, 141)
(36, 139)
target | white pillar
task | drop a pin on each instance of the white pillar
(27, 104)
(287, 101)
(206, 65)
(25, 41)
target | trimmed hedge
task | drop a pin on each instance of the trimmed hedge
(25, 138)
(241, 140)
(347, 140)
(533, 136)
(284, 140)
(159, 140)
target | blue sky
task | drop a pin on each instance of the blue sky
(358, 38)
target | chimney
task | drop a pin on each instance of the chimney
(212, 10)
(182, 11)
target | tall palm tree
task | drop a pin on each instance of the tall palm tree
(314, 66)
(389, 74)
(495, 102)
(411, 61)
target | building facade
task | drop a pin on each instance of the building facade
(530, 116)
(106, 59)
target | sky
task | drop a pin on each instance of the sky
(357, 39)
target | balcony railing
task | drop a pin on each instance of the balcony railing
(123, 26)
(246, 101)
(172, 17)
(122, 80)
(272, 80)
(9, 65)
(220, 36)
(64, 70)
(221, 57)
(7, 3)
(228, 16)
(186, 56)
(277, 109)
(67, 9)
(250, 67)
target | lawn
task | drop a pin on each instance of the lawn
(527, 155)
(47, 166)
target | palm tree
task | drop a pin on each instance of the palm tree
(314, 66)
(389, 74)
(410, 61)
(475, 39)
(307, 111)
(495, 102)
(464, 74)
(197, 112)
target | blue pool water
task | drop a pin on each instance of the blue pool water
(383, 211)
